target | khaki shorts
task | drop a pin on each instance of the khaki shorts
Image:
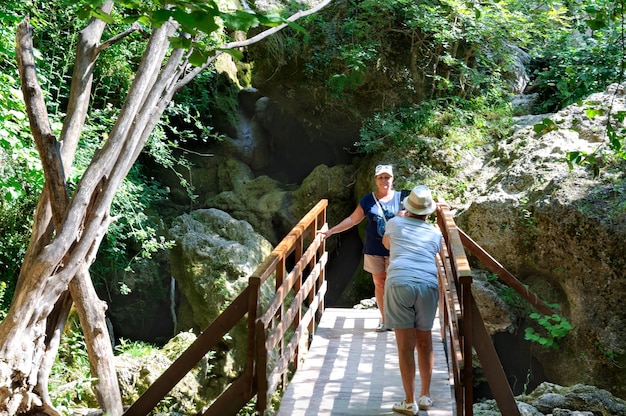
(375, 264)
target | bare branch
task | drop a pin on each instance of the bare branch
(257, 38)
(135, 27)
(47, 145)
(80, 90)
(268, 32)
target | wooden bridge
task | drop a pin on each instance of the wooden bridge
(303, 359)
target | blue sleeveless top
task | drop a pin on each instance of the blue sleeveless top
(373, 243)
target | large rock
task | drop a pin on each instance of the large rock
(260, 201)
(556, 400)
(561, 231)
(136, 373)
(213, 258)
(327, 183)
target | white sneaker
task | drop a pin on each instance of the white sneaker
(382, 328)
(405, 408)
(425, 403)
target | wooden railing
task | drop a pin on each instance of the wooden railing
(296, 272)
(462, 326)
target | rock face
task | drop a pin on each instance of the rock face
(561, 232)
(552, 399)
(213, 257)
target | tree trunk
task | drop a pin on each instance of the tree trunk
(90, 309)
(67, 231)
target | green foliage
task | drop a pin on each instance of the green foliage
(514, 301)
(431, 125)
(204, 24)
(21, 176)
(209, 94)
(135, 349)
(15, 229)
(614, 147)
(611, 356)
(3, 300)
(417, 50)
(582, 56)
(555, 328)
(70, 378)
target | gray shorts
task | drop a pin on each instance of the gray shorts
(410, 305)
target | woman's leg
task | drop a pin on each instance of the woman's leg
(425, 359)
(405, 338)
(379, 292)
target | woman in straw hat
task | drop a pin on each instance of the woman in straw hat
(412, 294)
(378, 207)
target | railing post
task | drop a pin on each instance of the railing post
(254, 283)
(261, 368)
(468, 381)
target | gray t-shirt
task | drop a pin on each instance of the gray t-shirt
(413, 246)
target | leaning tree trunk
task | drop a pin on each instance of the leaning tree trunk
(29, 334)
(30, 388)
(68, 230)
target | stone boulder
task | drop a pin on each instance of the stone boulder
(213, 257)
(561, 232)
(211, 262)
(260, 201)
(331, 183)
(493, 309)
(136, 372)
(554, 400)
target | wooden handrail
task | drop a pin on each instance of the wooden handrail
(463, 328)
(494, 266)
(466, 330)
(279, 324)
(303, 283)
(192, 356)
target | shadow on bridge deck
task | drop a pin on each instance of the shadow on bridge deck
(351, 369)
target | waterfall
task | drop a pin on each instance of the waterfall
(173, 300)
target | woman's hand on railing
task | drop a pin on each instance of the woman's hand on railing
(325, 233)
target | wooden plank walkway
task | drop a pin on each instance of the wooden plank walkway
(351, 369)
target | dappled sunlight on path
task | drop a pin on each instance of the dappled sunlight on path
(353, 370)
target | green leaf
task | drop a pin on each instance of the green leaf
(271, 19)
(188, 21)
(546, 126)
(160, 16)
(99, 14)
(594, 112)
(619, 116)
(180, 42)
(207, 24)
(241, 20)
(297, 27)
(198, 58)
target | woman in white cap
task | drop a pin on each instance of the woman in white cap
(412, 294)
(378, 207)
